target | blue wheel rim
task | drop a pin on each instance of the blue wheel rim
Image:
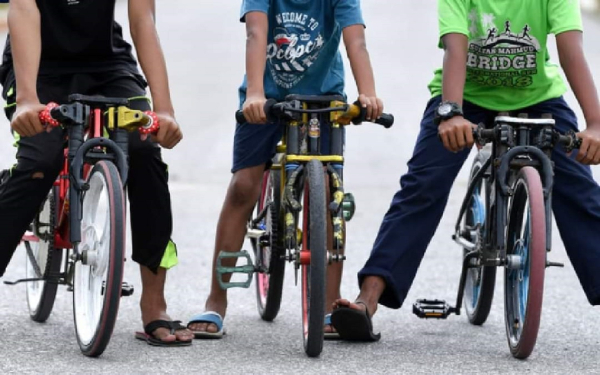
(475, 216)
(518, 279)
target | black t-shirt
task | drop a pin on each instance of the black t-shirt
(78, 36)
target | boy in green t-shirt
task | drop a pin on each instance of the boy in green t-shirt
(495, 60)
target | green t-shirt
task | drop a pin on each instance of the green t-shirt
(508, 65)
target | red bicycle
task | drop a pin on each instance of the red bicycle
(78, 237)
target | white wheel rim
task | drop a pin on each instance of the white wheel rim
(90, 279)
(40, 250)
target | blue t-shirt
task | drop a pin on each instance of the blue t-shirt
(303, 45)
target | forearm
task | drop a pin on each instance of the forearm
(152, 61)
(26, 45)
(360, 63)
(454, 71)
(580, 79)
(256, 60)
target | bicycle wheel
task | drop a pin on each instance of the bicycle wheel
(42, 260)
(269, 284)
(99, 275)
(524, 275)
(314, 245)
(479, 285)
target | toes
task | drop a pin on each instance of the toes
(203, 327)
(341, 303)
(163, 334)
(184, 335)
(212, 328)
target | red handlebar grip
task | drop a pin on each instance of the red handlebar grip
(152, 127)
(46, 117)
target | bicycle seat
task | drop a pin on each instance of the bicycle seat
(98, 101)
(510, 120)
(317, 99)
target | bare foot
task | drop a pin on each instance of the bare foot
(356, 305)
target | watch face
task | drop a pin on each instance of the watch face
(444, 109)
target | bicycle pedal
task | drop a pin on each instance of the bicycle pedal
(247, 268)
(432, 309)
(348, 206)
(126, 289)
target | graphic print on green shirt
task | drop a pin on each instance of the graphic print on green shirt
(508, 64)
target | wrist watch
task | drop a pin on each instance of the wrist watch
(446, 110)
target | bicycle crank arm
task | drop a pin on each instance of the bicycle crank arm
(56, 281)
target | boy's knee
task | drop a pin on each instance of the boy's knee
(244, 189)
(40, 169)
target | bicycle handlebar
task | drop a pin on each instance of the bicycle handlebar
(569, 140)
(53, 115)
(353, 112)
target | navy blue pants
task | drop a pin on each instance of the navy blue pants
(417, 208)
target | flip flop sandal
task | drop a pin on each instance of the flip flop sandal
(208, 317)
(151, 339)
(353, 324)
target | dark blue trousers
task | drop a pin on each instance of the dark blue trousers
(417, 208)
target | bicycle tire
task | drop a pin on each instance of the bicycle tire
(93, 336)
(314, 274)
(269, 285)
(480, 282)
(42, 294)
(524, 287)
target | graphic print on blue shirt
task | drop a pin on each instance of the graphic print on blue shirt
(297, 41)
(303, 45)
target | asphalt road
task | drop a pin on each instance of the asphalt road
(204, 45)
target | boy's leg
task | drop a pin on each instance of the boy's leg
(150, 204)
(39, 159)
(254, 145)
(576, 204)
(413, 216)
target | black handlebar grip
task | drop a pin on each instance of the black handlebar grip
(386, 120)
(239, 117)
(239, 114)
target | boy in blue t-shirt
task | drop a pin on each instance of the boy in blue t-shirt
(292, 48)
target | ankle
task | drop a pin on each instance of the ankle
(371, 290)
(217, 303)
(149, 302)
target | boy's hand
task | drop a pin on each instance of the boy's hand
(456, 133)
(254, 109)
(169, 133)
(589, 151)
(26, 120)
(373, 104)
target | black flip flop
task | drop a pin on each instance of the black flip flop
(148, 334)
(354, 325)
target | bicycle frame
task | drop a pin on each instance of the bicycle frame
(294, 151)
(509, 155)
(85, 125)
(516, 143)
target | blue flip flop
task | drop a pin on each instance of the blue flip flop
(208, 317)
(330, 335)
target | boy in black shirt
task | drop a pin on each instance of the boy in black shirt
(60, 47)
